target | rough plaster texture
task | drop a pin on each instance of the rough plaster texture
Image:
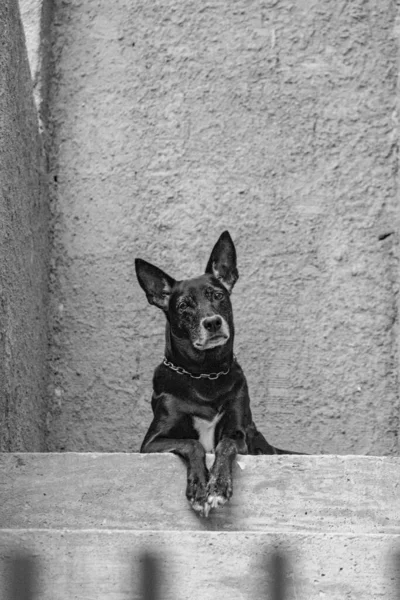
(31, 17)
(172, 121)
(23, 248)
(36, 17)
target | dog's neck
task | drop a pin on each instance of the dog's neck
(181, 353)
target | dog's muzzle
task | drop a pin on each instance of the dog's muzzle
(213, 332)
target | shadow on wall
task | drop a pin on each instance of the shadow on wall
(24, 575)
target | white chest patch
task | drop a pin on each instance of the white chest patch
(206, 431)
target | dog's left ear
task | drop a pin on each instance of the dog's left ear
(222, 262)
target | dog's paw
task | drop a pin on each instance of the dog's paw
(219, 491)
(196, 492)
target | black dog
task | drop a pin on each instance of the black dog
(200, 400)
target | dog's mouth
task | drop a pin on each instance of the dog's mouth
(211, 342)
(212, 332)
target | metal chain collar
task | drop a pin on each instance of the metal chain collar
(182, 371)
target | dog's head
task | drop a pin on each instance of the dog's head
(198, 310)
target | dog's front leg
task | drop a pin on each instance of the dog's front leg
(219, 489)
(194, 456)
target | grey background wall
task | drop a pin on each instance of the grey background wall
(172, 121)
(277, 121)
(23, 249)
(169, 123)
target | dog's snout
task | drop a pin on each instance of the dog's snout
(212, 324)
(213, 331)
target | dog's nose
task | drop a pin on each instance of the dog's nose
(212, 324)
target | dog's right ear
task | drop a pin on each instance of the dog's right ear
(156, 284)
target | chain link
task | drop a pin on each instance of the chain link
(182, 371)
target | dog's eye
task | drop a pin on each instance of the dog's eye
(182, 305)
(218, 295)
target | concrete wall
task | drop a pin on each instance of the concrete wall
(23, 248)
(36, 16)
(172, 121)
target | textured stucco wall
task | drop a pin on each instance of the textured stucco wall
(31, 11)
(172, 121)
(23, 248)
(36, 16)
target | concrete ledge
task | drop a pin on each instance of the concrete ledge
(339, 494)
(204, 565)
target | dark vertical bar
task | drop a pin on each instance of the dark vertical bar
(22, 578)
(277, 569)
(150, 577)
(397, 575)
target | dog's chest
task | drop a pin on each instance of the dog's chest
(206, 431)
